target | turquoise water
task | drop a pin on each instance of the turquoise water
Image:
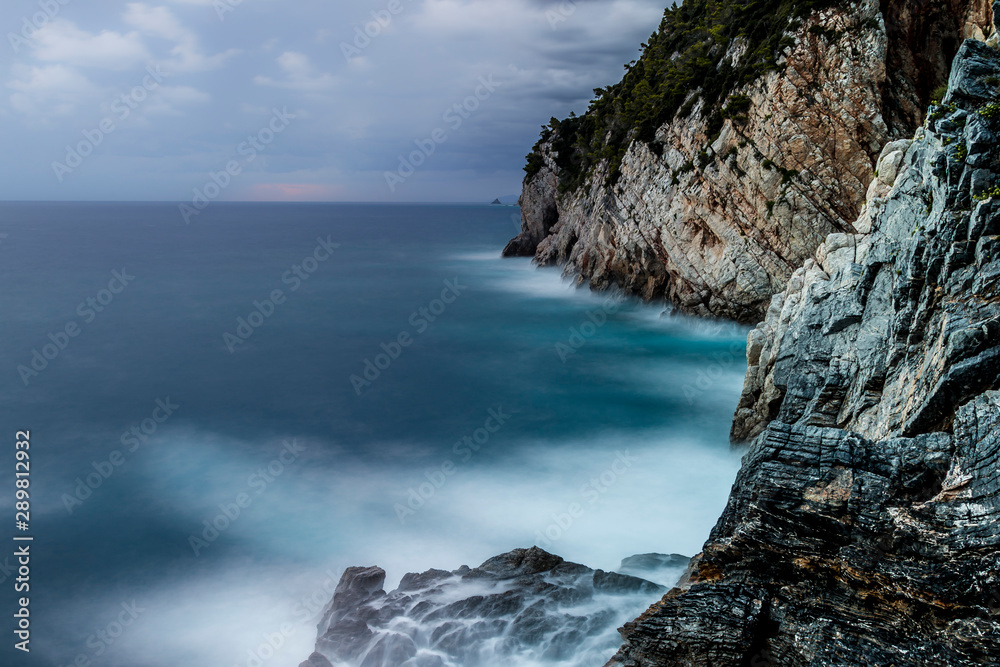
(406, 398)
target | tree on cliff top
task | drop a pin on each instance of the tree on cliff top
(689, 59)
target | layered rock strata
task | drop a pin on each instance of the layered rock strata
(717, 224)
(863, 526)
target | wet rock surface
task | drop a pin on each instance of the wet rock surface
(526, 605)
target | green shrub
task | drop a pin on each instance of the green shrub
(787, 175)
(736, 108)
(986, 194)
(991, 110)
(535, 163)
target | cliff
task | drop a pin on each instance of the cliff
(863, 526)
(742, 138)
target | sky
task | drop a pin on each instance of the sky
(296, 100)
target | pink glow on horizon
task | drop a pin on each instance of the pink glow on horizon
(295, 192)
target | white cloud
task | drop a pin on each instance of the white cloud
(51, 90)
(365, 110)
(464, 16)
(167, 99)
(158, 21)
(186, 55)
(62, 42)
(300, 75)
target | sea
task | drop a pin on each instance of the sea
(226, 413)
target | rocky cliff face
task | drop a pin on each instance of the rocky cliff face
(862, 529)
(863, 526)
(718, 222)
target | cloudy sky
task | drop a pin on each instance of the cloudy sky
(298, 99)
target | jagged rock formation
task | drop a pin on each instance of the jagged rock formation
(862, 529)
(524, 607)
(863, 526)
(717, 221)
(908, 370)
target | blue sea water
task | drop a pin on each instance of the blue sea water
(409, 399)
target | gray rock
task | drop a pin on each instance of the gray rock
(864, 525)
(316, 660)
(526, 604)
(646, 562)
(975, 63)
(539, 212)
(873, 356)
(717, 223)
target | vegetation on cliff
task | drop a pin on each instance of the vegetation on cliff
(688, 59)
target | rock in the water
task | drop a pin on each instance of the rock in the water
(539, 213)
(316, 660)
(864, 526)
(522, 606)
(664, 569)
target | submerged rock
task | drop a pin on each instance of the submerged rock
(522, 606)
(665, 569)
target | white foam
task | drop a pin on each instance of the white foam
(337, 511)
